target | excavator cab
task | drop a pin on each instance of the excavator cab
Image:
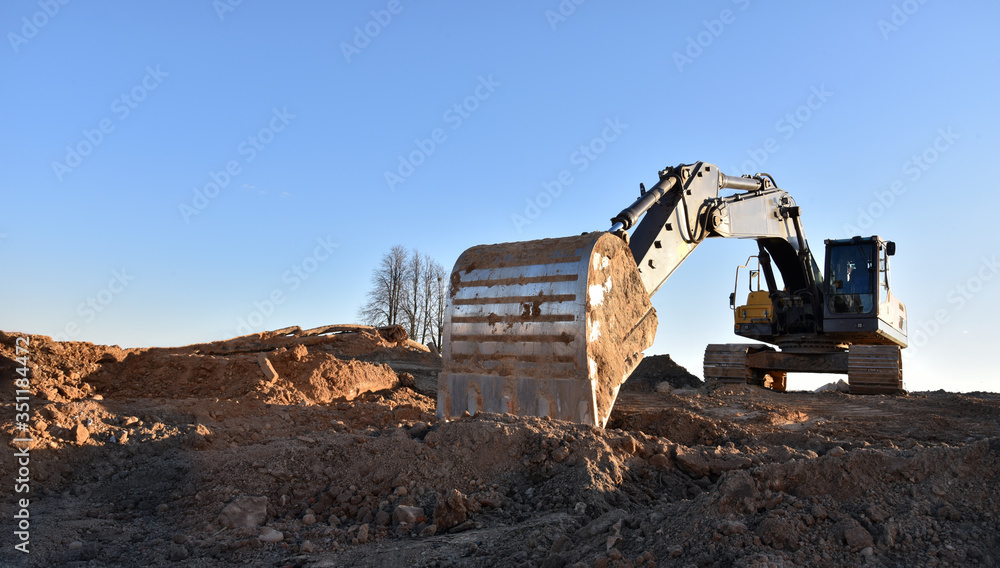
(858, 301)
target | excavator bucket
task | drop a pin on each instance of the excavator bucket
(551, 327)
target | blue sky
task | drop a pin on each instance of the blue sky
(121, 121)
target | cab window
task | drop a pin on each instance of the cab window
(852, 278)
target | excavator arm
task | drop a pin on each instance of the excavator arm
(684, 208)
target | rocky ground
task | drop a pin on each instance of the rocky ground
(320, 448)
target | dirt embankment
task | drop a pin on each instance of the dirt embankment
(198, 456)
(655, 370)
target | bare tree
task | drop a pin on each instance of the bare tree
(440, 282)
(385, 299)
(412, 302)
(408, 288)
(433, 273)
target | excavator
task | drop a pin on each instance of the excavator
(554, 327)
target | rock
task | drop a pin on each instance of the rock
(244, 512)
(265, 367)
(491, 499)
(858, 538)
(732, 527)
(615, 537)
(601, 525)
(450, 510)
(839, 386)
(836, 452)
(180, 538)
(177, 553)
(308, 519)
(382, 518)
(271, 535)
(702, 462)
(406, 514)
(560, 454)
(692, 462)
(429, 530)
(661, 461)
(308, 547)
(363, 534)
(780, 532)
(80, 434)
(739, 493)
(75, 545)
(406, 380)
(162, 508)
(948, 511)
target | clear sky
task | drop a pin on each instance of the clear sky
(171, 168)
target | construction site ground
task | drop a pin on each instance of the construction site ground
(321, 449)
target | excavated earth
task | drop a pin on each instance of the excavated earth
(321, 449)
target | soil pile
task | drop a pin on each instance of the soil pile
(140, 463)
(657, 369)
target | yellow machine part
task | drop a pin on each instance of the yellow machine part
(758, 309)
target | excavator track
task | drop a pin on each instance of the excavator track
(875, 369)
(727, 363)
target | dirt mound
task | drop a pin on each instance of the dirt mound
(656, 369)
(254, 451)
(283, 367)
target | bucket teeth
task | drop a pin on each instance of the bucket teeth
(543, 328)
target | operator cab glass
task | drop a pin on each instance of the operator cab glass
(852, 278)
